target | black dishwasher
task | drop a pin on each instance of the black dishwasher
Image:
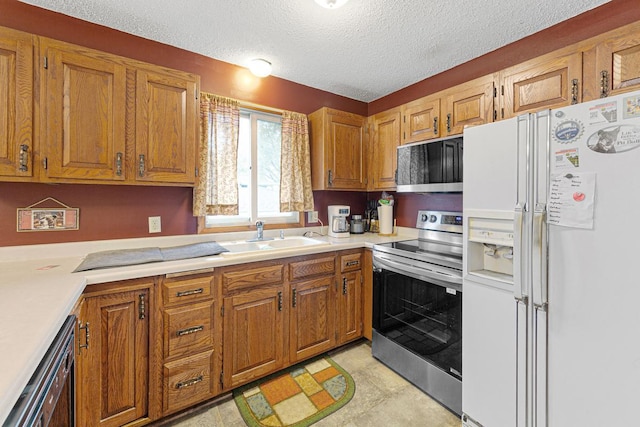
(48, 398)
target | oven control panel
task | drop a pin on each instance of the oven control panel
(440, 221)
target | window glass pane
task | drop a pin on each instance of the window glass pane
(269, 141)
(266, 142)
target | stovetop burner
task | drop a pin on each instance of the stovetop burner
(439, 240)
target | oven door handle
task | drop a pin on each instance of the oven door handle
(442, 279)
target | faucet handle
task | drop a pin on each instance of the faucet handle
(259, 224)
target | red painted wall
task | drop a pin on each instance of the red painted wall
(106, 211)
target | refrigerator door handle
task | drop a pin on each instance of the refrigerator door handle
(518, 289)
(539, 272)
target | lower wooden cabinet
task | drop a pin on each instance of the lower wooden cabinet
(188, 381)
(350, 297)
(190, 335)
(253, 326)
(312, 315)
(113, 355)
(150, 347)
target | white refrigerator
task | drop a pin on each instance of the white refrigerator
(551, 291)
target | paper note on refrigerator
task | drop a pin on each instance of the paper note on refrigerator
(572, 200)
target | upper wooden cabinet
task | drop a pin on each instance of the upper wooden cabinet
(421, 119)
(384, 140)
(16, 104)
(84, 99)
(110, 119)
(540, 83)
(448, 112)
(166, 126)
(338, 154)
(614, 65)
(468, 104)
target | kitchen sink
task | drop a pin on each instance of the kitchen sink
(288, 243)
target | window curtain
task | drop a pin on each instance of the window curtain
(295, 164)
(216, 192)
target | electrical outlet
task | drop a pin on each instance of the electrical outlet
(155, 225)
(312, 217)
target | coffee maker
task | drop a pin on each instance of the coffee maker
(338, 224)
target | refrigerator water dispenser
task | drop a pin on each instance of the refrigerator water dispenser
(490, 248)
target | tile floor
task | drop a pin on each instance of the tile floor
(382, 398)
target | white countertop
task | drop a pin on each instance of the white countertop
(38, 289)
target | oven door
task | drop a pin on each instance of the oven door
(420, 309)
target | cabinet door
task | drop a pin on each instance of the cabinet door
(253, 335)
(84, 121)
(346, 152)
(166, 126)
(16, 103)
(384, 160)
(312, 318)
(114, 367)
(618, 65)
(539, 84)
(350, 301)
(420, 120)
(469, 104)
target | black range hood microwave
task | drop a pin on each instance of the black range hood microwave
(433, 166)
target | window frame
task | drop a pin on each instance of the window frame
(274, 222)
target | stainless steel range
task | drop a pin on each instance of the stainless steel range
(417, 307)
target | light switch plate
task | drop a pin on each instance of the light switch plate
(155, 225)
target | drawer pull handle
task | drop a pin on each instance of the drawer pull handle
(191, 292)
(189, 383)
(86, 336)
(188, 331)
(352, 263)
(24, 157)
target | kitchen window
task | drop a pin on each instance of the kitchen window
(259, 142)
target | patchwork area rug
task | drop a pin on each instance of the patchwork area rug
(296, 397)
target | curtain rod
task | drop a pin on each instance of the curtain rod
(252, 105)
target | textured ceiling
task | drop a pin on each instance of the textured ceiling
(365, 50)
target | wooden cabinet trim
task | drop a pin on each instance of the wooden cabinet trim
(186, 289)
(312, 267)
(258, 276)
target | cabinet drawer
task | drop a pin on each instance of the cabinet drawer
(238, 280)
(351, 262)
(189, 288)
(312, 267)
(188, 381)
(188, 329)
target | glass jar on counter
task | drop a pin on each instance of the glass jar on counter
(357, 225)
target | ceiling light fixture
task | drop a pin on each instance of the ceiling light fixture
(260, 67)
(331, 4)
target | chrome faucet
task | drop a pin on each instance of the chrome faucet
(260, 229)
